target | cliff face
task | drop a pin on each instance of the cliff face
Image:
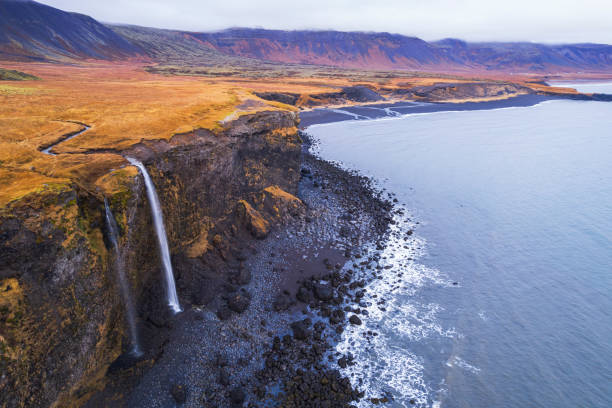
(438, 92)
(61, 315)
(462, 90)
(203, 180)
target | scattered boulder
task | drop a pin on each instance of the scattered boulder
(239, 302)
(282, 302)
(254, 221)
(323, 292)
(278, 203)
(354, 319)
(304, 295)
(179, 393)
(301, 329)
(237, 396)
(337, 316)
(243, 276)
(224, 378)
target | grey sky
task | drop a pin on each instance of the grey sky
(552, 21)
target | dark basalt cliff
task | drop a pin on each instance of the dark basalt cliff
(462, 90)
(439, 92)
(61, 315)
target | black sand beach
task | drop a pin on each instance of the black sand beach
(377, 111)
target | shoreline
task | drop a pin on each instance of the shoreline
(382, 110)
(209, 356)
(297, 305)
(344, 133)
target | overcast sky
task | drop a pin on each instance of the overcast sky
(552, 21)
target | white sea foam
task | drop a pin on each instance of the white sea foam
(384, 364)
(416, 322)
(391, 112)
(354, 115)
(457, 361)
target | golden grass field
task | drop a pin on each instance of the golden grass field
(124, 104)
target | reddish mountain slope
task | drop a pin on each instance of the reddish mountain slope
(335, 48)
(392, 51)
(33, 31)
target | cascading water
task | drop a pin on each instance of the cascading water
(123, 282)
(158, 222)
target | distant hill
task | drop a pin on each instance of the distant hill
(169, 45)
(335, 48)
(33, 31)
(393, 51)
(528, 56)
(30, 31)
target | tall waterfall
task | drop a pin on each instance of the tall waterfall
(158, 221)
(123, 282)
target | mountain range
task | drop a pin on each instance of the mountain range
(31, 31)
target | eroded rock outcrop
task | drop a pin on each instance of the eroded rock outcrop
(61, 319)
(462, 91)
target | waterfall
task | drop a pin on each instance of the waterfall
(158, 222)
(123, 282)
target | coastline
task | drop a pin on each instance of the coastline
(184, 223)
(358, 144)
(290, 300)
(212, 359)
(382, 110)
(296, 309)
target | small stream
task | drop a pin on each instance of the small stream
(49, 150)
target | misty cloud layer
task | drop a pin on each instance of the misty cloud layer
(553, 21)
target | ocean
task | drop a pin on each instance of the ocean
(502, 296)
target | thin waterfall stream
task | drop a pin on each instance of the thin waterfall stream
(130, 311)
(158, 221)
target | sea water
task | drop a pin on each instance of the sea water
(502, 297)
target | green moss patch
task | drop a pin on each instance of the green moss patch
(12, 75)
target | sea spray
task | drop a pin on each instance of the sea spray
(385, 365)
(123, 282)
(158, 222)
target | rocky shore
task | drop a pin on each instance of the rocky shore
(62, 320)
(267, 337)
(259, 232)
